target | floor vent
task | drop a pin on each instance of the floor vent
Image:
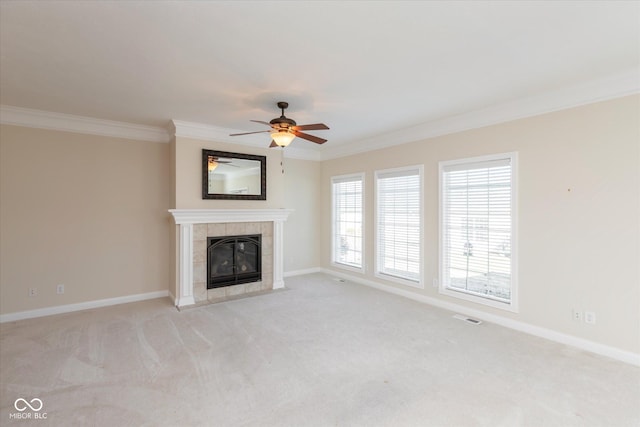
(468, 319)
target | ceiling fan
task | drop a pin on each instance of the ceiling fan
(284, 130)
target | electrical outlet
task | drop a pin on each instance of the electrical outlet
(435, 282)
(33, 292)
(590, 317)
(576, 315)
(60, 289)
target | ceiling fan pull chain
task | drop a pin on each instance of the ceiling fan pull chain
(282, 158)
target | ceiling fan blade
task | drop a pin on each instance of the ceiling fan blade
(315, 126)
(249, 133)
(309, 137)
(260, 121)
(273, 144)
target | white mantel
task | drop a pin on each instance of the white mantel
(186, 218)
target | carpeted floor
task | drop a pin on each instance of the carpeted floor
(321, 353)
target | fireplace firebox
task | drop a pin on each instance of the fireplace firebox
(232, 260)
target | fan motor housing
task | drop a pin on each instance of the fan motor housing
(283, 122)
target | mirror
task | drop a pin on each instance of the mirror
(233, 176)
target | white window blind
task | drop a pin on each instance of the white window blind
(347, 220)
(399, 223)
(477, 228)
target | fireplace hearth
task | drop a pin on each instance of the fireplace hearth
(233, 260)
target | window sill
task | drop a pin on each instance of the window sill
(389, 278)
(506, 306)
(348, 267)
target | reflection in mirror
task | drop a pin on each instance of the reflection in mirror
(233, 176)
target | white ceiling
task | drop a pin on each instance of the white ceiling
(365, 69)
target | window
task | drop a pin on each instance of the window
(477, 201)
(347, 220)
(398, 225)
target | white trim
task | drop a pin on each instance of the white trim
(610, 87)
(302, 272)
(184, 129)
(205, 216)
(512, 305)
(278, 254)
(60, 309)
(400, 280)
(376, 271)
(185, 267)
(335, 180)
(559, 337)
(26, 117)
(347, 267)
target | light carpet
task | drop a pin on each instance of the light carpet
(321, 353)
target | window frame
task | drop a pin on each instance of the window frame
(377, 270)
(334, 180)
(512, 305)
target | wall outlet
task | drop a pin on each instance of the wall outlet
(576, 315)
(590, 317)
(435, 282)
(33, 292)
(60, 289)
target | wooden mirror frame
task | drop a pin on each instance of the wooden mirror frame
(225, 196)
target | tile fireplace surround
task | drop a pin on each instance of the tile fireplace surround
(198, 224)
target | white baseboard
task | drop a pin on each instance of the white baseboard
(41, 312)
(301, 272)
(570, 340)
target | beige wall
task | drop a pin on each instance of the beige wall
(188, 176)
(85, 211)
(302, 231)
(579, 214)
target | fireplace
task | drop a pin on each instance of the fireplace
(195, 226)
(233, 260)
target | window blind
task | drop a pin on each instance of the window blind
(477, 228)
(347, 220)
(398, 223)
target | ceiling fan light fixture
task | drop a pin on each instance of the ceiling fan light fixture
(282, 137)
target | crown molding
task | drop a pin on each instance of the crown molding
(183, 129)
(26, 117)
(610, 87)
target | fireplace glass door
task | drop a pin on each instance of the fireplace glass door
(232, 260)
